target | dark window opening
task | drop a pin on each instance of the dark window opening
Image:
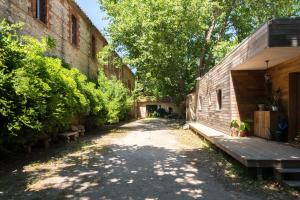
(41, 10)
(200, 103)
(94, 53)
(74, 31)
(219, 99)
(151, 109)
(129, 84)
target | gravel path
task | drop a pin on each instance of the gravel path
(148, 162)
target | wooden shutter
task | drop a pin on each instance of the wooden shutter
(93, 47)
(74, 30)
(43, 10)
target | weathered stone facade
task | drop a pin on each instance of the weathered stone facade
(58, 25)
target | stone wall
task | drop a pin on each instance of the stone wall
(58, 27)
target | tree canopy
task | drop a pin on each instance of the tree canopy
(171, 42)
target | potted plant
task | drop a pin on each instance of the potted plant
(244, 129)
(275, 97)
(234, 126)
(261, 104)
(261, 107)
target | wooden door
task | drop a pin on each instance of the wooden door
(297, 102)
(294, 105)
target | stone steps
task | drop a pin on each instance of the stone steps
(293, 184)
(289, 176)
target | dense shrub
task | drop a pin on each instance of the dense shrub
(39, 96)
(117, 98)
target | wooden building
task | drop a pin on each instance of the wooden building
(234, 88)
(266, 61)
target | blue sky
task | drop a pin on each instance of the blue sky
(93, 11)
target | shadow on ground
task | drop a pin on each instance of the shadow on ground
(120, 173)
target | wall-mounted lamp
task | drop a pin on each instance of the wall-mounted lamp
(268, 77)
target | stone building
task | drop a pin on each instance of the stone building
(267, 60)
(145, 106)
(77, 39)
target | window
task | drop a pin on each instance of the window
(209, 99)
(129, 84)
(93, 47)
(200, 103)
(219, 99)
(41, 10)
(74, 30)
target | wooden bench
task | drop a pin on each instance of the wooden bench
(44, 141)
(80, 129)
(68, 136)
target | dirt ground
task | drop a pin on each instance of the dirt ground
(145, 159)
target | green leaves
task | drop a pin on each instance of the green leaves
(166, 38)
(118, 101)
(39, 97)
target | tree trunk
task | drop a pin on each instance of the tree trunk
(208, 35)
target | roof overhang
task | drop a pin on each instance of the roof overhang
(275, 55)
(277, 40)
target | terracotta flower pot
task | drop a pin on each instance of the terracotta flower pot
(234, 132)
(243, 134)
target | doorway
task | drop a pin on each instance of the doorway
(151, 109)
(294, 105)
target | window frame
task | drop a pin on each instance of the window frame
(129, 84)
(219, 99)
(200, 103)
(40, 13)
(93, 47)
(209, 99)
(74, 33)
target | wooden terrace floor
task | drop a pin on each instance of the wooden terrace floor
(252, 151)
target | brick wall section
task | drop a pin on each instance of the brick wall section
(58, 27)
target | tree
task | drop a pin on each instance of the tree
(171, 42)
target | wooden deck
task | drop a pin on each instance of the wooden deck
(252, 151)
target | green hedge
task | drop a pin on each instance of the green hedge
(39, 97)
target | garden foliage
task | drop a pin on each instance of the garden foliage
(39, 97)
(172, 42)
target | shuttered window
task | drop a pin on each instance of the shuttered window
(74, 31)
(41, 10)
(219, 99)
(129, 85)
(199, 103)
(93, 47)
